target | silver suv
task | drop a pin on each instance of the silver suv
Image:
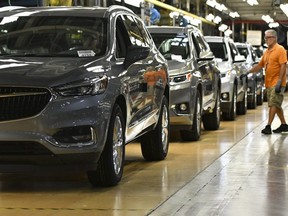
(231, 65)
(195, 82)
(76, 85)
(255, 80)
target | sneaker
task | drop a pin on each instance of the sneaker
(281, 128)
(267, 130)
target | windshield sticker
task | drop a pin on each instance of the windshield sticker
(86, 53)
(176, 57)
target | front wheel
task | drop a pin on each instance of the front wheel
(110, 165)
(211, 121)
(242, 105)
(155, 144)
(231, 114)
(253, 103)
(195, 133)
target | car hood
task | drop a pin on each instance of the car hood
(44, 71)
(176, 66)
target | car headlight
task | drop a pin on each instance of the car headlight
(91, 86)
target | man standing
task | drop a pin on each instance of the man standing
(274, 61)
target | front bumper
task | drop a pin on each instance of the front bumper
(68, 130)
(182, 96)
(227, 87)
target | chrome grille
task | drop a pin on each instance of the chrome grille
(22, 102)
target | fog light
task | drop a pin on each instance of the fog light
(73, 135)
(225, 96)
(183, 107)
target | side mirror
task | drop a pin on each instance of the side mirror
(134, 54)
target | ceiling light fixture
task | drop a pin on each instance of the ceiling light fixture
(273, 25)
(252, 2)
(221, 8)
(267, 18)
(284, 8)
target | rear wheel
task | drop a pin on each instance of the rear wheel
(211, 121)
(195, 132)
(155, 144)
(110, 165)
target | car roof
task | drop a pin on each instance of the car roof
(217, 39)
(63, 11)
(171, 29)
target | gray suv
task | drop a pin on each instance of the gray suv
(231, 65)
(76, 85)
(195, 82)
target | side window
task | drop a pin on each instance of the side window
(136, 33)
(234, 50)
(196, 45)
(122, 39)
(203, 45)
(254, 55)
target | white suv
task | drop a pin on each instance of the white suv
(231, 65)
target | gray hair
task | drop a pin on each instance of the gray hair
(272, 32)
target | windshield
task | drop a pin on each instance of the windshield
(53, 36)
(243, 51)
(219, 50)
(172, 45)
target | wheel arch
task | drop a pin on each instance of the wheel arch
(120, 100)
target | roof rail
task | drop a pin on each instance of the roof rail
(10, 8)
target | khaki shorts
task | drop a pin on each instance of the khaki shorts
(273, 98)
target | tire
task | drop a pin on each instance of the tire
(211, 121)
(253, 103)
(155, 144)
(110, 165)
(242, 105)
(260, 97)
(231, 114)
(195, 132)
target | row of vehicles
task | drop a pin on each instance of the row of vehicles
(77, 84)
(205, 78)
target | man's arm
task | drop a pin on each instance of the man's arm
(255, 68)
(282, 72)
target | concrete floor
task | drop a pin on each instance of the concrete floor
(232, 171)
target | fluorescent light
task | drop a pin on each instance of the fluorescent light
(228, 32)
(267, 18)
(284, 8)
(252, 2)
(217, 20)
(223, 27)
(273, 25)
(135, 3)
(211, 3)
(210, 17)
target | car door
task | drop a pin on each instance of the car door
(141, 79)
(239, 67)
(204, 68)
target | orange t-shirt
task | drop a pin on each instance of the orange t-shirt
(271, 61)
